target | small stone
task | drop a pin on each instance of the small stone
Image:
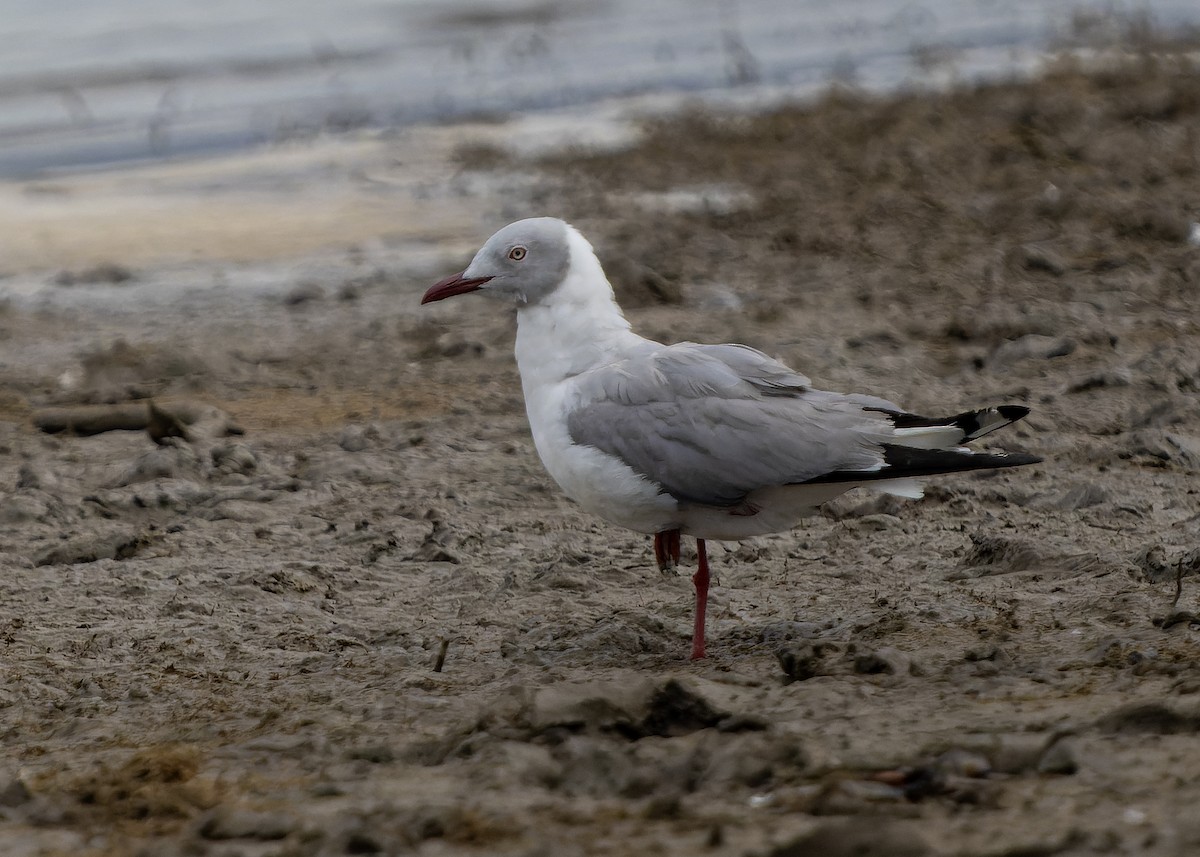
(1120, 377)
(803, 660)
(18, 508)
(1061, 757)
(162, 424)
(1153, 563)
(1034, 258)
(13, 791)
(1152, 222)
(105, 272)
(162, 462)
(976, 654)
(354, 439)
(118, 544)
(226, 823)
(303, 293)
(1165, 448)
(376, 754)
(234, 458)
(861, 836)
(634, 709)
(1014, 753)
(433, 552)
(742, 723)
(663, 808)
(876, 522)
(1149, 718)
(29, 476)
(361, 842)
(886, 660)
(963, 763)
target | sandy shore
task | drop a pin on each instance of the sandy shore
(352, 615)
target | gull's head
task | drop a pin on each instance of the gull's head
(522, 263)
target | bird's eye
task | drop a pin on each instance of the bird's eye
(517, 253)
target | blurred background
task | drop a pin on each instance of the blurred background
(87, 84)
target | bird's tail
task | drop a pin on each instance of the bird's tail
(944, 432)
(922, 446)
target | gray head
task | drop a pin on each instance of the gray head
(522, 263)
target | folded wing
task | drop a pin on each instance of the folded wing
(712, 423)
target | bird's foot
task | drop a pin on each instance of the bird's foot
(666, 550)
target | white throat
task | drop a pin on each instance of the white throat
(575, 328)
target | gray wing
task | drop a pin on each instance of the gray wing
(711, 423)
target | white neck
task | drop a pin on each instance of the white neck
(576, 328)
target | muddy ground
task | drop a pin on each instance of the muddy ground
(366, 622)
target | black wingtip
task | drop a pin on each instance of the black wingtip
(1019, 459)
(906, 461)
(1013, 412)
(974, 424)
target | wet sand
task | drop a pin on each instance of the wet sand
(367, 622)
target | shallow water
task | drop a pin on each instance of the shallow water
(85, 84)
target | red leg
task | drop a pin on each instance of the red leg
(700, 579)
(666, 549)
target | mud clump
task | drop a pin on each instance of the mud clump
(157, 785)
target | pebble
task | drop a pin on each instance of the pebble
(1170, 448)
(234, 458)
(876, 522)
(958, 762)
(1034, 258)
(752, 760)
(115, 544)
(861, 836)
(104, 272)
(376, 754)
(804, 660)
(303, 293)
(162, 462)
(30, 476)
(13, 791)
(1061, 757)
(1149, 718)
(357, 438)
(227, 823)
(633, 708)
(885, 660)
(19, 508)
(1120, 377)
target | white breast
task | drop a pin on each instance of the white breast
(576, 329)
(600, 483)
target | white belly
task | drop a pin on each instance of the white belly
(768, 510)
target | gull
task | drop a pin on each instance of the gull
(719, 442)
